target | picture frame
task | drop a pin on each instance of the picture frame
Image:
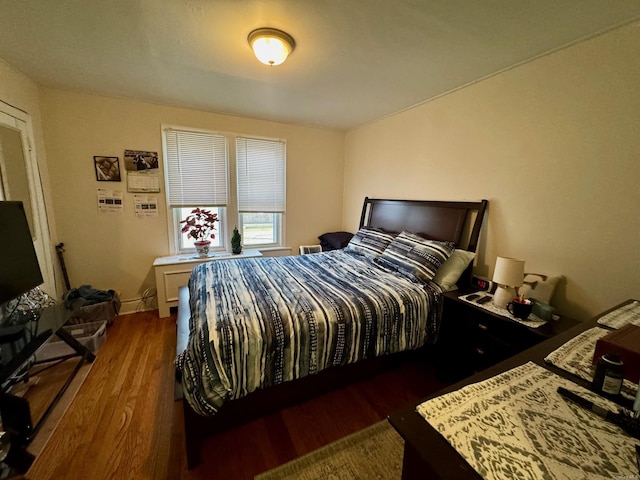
(107, 168)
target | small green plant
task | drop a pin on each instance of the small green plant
(200, 224)
(236, 245)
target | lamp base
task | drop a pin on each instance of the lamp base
(503, 296)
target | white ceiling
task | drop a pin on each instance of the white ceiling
(355, 60)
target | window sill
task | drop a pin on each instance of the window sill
(266, 251)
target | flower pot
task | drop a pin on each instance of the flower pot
(202, 247)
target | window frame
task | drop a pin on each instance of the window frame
(229, 217)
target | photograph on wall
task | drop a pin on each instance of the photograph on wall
(137, 160)
(107, 169)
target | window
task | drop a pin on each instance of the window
(196, 176)
(196, 166)
(260, 228)
(261, 172)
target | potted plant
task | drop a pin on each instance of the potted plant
(199, 225)
(236, 239)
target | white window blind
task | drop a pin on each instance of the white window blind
(196, 169)
(261, 175)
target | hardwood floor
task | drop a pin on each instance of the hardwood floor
(125, 424)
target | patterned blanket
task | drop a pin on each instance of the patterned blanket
(258, 322)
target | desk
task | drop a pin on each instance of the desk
(174, 272)
(427, 454)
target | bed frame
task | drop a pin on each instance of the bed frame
(459, 222)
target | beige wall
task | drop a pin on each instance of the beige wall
(554, 145)
(118, 251)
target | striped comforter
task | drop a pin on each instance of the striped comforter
(260, 322)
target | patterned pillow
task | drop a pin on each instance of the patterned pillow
(539, 286)
(415, 256)
(369, 242)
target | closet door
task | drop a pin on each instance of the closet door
(20, 180)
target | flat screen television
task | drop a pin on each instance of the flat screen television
(19, 268)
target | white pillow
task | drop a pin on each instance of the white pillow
(538, 286)
(450, 271)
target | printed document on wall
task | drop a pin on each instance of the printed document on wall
(143, 182)
(109, 201)
(146, 206)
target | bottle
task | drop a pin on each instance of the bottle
(609, 375)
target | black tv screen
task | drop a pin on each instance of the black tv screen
(19, 269)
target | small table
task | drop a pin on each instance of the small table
(174, 272)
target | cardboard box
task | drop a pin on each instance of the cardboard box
(91, 335)
(625, 343)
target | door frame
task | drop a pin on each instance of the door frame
(17, 119)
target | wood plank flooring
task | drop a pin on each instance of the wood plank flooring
(124, 423)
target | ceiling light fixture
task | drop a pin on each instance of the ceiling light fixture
(271, 46)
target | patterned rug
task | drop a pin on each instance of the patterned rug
(373, 453)
(516, 425)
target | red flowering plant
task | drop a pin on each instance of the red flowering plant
(200, 224)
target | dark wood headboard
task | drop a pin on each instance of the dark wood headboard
(458, 222)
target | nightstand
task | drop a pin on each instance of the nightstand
(472, 338)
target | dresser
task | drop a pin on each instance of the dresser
(427, 454)
(174, 272)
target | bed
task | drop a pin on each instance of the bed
(256, 335)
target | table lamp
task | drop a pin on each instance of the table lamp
(508, 275)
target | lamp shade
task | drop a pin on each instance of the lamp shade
(509, 272)
(271, 46)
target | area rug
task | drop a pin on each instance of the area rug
(373, 453)
(42, 387)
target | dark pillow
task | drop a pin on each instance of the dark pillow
(334, 240)
(369, 242)
(415, 256)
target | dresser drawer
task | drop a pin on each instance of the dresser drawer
(472, 338)
(512, 334)
(486, 350)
